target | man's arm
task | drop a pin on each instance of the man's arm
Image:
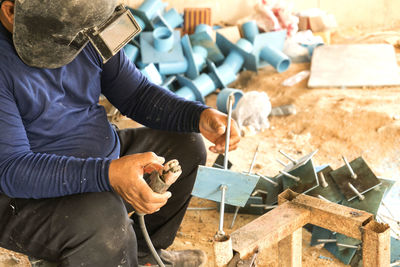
(25, 174)
(149, 104)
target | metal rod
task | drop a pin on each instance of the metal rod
(326, 240)
(234, 217)
(281, 162)
(324, 184)
(288, 157)
(258, 191)
(223, 189)
(353, 175)
(267, 179)
(254, 159)
(265, 206)
(347, 246)
(297, 179)
(360, 196)
(321, 197)
(228, 130)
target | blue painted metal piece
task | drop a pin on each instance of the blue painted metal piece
(223, 96)
(268, 50)
(250, 30)
(171, 19)
(132, 52)
(240, 185)
(205, 40)
(197, 89)
(151, 55)
(226, 73)
(226, 46)
(146, 12)
(394, 250)
(204, 28)
(151, 72)
(196, 57)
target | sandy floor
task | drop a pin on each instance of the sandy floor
(351, 122)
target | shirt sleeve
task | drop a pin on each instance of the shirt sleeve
(25, 174)
(149, 104)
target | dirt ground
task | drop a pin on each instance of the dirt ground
(350, 122)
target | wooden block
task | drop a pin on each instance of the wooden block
(334, 217)
(269, 228)
(195, 16)
(376, 245)
(290, 249)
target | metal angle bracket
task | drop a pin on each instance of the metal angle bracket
(365, 181)
(239, 185)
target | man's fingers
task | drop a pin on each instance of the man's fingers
(150, 158)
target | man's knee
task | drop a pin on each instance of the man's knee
(101, 231)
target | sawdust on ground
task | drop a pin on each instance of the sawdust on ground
(351, 122)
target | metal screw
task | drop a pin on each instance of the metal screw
(297, 179)
(324, 184)
(360, 196)
(267, 179)
(353, 175)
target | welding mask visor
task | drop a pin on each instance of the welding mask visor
(51, 33)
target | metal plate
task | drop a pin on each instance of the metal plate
(370, 204)
(394, 249)
(366, 179)
(219, 162)
(240, 185)
(151, 55)
(273, 191)
(205, 40)
(331, 192)
(307, 175)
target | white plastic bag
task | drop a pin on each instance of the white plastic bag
(253, 110)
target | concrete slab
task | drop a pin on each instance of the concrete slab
(355, 65)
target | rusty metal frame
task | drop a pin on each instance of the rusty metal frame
(283, 225)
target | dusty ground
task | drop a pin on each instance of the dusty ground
(350, 122)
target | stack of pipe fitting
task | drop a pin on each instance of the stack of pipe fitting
(195, 66)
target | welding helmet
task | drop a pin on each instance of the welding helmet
(51, 33)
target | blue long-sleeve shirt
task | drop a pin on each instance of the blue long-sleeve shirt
(55, 139)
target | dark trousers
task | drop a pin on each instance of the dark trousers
(94, 229)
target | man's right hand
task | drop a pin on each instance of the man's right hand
(126, 178)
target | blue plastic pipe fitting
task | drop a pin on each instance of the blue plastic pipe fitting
(223, 97)
(163, 39)
(276, 58)
(170, 68)
(132, 52)
(250, 30)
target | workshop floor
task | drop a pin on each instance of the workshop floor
(351, 122)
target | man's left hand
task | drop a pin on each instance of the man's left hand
(213, 127)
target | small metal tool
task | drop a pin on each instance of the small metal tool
(352, 173)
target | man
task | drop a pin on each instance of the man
(65, 173)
